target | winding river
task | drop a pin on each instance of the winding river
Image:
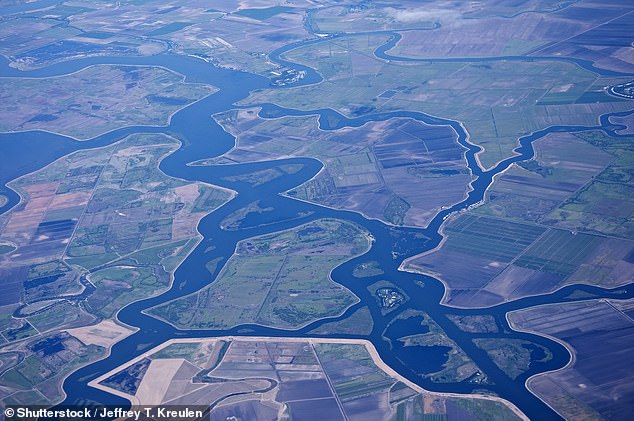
(203, 138)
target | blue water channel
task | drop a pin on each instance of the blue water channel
(203, 138)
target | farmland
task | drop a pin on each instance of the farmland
(347, 19)
(577, 191)
(70, 241)
(509, 260)
(530, 190)
(132, 96)
(497, 101)
(547, 222)
(267, 378)
(38, 377)
(509, 29)
(400, 170)
(604, 205)
(600, 332)
(280, 279)
(223, 35)
(365, 133)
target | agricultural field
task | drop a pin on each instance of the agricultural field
(592, 30)
(37, 378)
(104, 334)
(267, 378)
(280, 280)
(498, 101)
(598, 384)
(231, 34)
(133, 96)
(35, 39)
(241, 34)
(400, 171)
(580, 182)
(596, 31)
(485, 261)
(606, 204)
(563, 217)
(109, 214)
(529, 190)
(371, 17)
(72, 245)
(490, 41)
(333, 171)
(608, 44)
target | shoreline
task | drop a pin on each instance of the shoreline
(566, 345)
(376, 359)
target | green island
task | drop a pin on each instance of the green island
(457, 367)
(367, 269)
(475, 324)
(513, 356)
(388, 295)
(286, 276)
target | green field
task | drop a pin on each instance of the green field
(41, 373)
(280, 279)
(580, 182)
(561, 218)
(605, 205)
(475, 324)
(485, 409)
(122, 219)
(358, 323)
(497, 101)
(489, 238)
(368, 381)
(104, 106)
(513, 356)
(263, 13)
(372, 17)
(558, 251)
(529, 190)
